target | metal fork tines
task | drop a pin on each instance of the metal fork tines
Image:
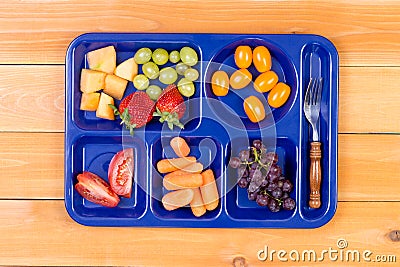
(312, 104)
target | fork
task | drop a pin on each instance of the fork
(312, 107)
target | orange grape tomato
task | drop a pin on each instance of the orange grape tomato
(278, 95)
(220, 83)
(243, 56)
(262, 59)
(265, 81)
(254, 109)
(240, 79)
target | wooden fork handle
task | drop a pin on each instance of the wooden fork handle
(315, 175)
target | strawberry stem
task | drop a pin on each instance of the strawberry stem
(125, 118)
(171, 118)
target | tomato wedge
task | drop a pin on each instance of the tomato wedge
(93, 188)
(120, 172)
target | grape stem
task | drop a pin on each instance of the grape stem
(257, 160)
(264, 192)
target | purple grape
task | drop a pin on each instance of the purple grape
(273, 205)
(276, 193)
(272, 157)
(253, 187)
(243, 183)
(252, 195)
(257, 144)
(244, 155)
(272, 186)
(234, 162)
(254, 165)
(262, 200)
(287, 186)
(285, 195)
(275, 169)
(289, 204)
(280, 183)
(272, 177)
(242, 171)
(264, 183)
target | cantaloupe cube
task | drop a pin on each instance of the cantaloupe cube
(92, 81)
(115, 86)
(127, 69)
(90, 101)
(103, 110)
(103, 59)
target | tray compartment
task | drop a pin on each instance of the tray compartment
(317, 62)
(87, 120)
(208, 151)
(238, 206)
(282, 65)
(94, 153)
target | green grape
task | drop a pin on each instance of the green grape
(174, 56)
(188, 56)
(143, 55)
(191, 74)
(150, 70)
(141, 82)
(186, 87)
(181, 68)
(160, 56)
(154, 92)
(168, 75)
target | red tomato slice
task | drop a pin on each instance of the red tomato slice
(120, 172)
(96, 190)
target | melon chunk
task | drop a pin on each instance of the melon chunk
(103, 110)
(103, 59)
(92, 81)
(115, 86)
(90, 101)
(127, 69)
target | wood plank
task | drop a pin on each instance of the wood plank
(41, 233)
(369, 168)
(34, 167)
(369, 100)
(33, 99)
(365, 32)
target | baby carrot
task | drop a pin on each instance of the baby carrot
(197, 204)
(170, 165)
(177, 199)
(209, 190)
(191, 180)
(196, 167)
(180, 146)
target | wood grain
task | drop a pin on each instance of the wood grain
(365, 32)
(32, 99)
(34, 167)
(369, 100)
(41, 233)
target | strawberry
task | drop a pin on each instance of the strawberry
(135, 110)
(170, 106)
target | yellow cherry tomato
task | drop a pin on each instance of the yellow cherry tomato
(220, 83)
(243, 56)
(265, 81)
(262, 59)
(240, 79)
(278, 95)
(254, 109)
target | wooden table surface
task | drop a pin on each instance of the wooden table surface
(35, 228)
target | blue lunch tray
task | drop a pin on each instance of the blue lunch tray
(215, 128)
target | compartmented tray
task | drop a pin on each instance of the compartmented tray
(217, 123)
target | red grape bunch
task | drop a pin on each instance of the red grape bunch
(259, 172)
